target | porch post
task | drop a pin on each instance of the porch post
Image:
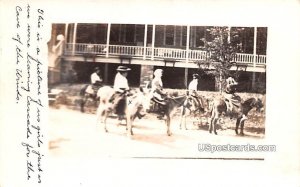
(145, 41)
(229, 29)
(74, 38)
(187, 55)
(187, 43)
(107, 39)
(153, 40)
(254, 58)
(66, 37)
(66, 32)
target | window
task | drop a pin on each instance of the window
(130, 32)
(170, 33)
(183, 35)
(114, 33)
(140, 31)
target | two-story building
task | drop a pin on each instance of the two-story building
(76, 48)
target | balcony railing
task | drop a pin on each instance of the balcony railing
(158, 53)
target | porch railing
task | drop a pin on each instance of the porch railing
(158, 53)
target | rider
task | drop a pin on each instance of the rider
(192, 89)
(157, 92)
(230, 95)
(193, 86)
(96, 83)
(120, 86)
(157, 87)
(96, 79)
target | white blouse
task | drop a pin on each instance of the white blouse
(193, 85)
(120, 83)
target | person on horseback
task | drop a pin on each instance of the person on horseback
(120, 87)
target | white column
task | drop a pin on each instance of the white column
(145, 41)
(187, 54)
(107, 39)
(187, 43)
(66, 37)
(153, 40)
(74, 38)
(66, 32)
(229, 29)
(254, 57)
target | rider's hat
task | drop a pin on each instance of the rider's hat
(96, 68)
(157, 71)
(195, 76)
(123, 69)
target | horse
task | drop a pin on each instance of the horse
(240, 112)
(193, 106)
(133, 106)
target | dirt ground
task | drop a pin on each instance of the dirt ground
(76, 134)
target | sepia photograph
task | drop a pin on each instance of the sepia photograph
(149, 93)
(167, 90)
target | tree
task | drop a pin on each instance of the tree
(221, 50)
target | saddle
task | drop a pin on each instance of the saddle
(232, 100)
(92, 89)
(159, 98)
(161, 102)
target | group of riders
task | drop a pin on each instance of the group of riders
(157, 93)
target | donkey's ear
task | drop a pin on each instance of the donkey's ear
(141, 89)
(253, 103)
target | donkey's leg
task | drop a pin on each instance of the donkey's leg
(242, 126)
(185, 122)
(98, 115)
(238, 120)
(168, 121)
(129, 120)
(215, 125)
(105, 114)
(211, 124)
(181, 118)
(82, 103)
(213, 116)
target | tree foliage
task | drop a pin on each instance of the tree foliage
(220, 50)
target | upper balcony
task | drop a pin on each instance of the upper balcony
(154, 54)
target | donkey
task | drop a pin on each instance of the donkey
(87, 92)
(240, 112)
(193, 106)
(132, 107)
(171, 103)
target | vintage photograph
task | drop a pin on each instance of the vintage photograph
(157, 91)
(149, 93)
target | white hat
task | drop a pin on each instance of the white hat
(157, 72)
(123, 68)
